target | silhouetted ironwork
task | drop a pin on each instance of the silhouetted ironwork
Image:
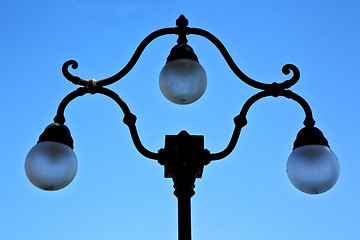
(184, 155)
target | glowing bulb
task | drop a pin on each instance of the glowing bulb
(313, 168)
(51, 165)
(183, 81)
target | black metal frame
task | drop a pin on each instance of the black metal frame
(184, 155)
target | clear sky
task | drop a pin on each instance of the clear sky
(117, 193)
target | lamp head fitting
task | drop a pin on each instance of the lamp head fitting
(181, 51)
(52, 164)
(57, 132)
(310, 136)
(312, 166)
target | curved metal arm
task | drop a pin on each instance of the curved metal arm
(126, 69)
(274, 89)
(240, 120)
(59, 118)
(129, 118)
(286, 68)
(309, 120)
(182, 30)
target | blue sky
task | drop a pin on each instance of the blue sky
(117, 193)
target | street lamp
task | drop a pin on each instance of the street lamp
(312, 166)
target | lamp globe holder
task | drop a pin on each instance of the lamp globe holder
(312, 166)
(52, 164)
(182, 80)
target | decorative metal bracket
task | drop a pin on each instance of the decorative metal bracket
(182, 30)
(184, 155)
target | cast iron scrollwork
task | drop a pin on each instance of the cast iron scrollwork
(183, 156)
(182, 30)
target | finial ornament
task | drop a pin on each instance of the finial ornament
(182, 21)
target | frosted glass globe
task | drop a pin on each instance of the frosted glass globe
(183, 81)
(51, 165)
(313, 168)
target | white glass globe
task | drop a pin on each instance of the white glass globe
(313, 169)
(183, 81)
(51, 165)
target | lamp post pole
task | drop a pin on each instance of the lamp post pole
(312, 166)
(184, 158)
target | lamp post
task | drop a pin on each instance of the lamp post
(312, 166)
